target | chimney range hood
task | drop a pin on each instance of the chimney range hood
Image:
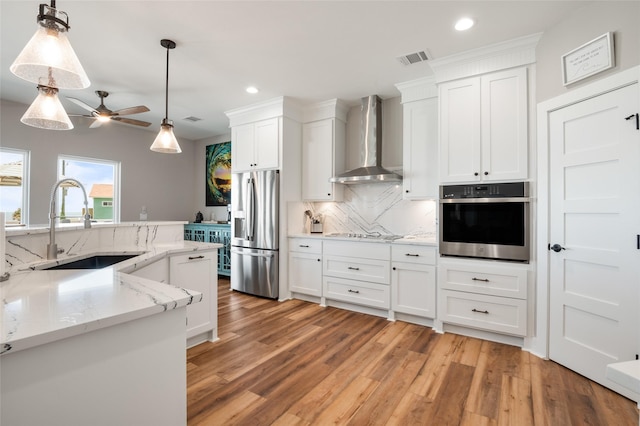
(370, 148)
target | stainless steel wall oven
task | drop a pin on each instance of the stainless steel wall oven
(485, 221)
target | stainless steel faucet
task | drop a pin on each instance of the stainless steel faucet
(52, 247)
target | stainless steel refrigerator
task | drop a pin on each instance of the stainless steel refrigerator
(255, 232)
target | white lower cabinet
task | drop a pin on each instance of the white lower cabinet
(198, 271)
(357, 273)
(305, 266)
(358, 292)
(486, 295)
(413, 280)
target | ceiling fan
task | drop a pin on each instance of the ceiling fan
(102, 114)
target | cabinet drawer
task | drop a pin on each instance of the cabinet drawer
(499, 314)
(491, 279)
(358, 292)
(305, 245)
(411, 253)
(377, 250)
(355, 268)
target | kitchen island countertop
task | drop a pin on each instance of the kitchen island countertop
(41, 306)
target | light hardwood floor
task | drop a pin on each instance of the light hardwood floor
(296, 363)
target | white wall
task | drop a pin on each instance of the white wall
(582, 26)
(163, 182)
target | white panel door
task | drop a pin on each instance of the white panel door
(317, 160)
(594, 218)
(267, 137)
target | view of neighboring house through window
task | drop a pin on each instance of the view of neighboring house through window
(14, 185)
(101, 180)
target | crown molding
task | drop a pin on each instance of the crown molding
(507, 54)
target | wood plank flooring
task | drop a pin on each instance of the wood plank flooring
(296, 363)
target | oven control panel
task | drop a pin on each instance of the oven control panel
(491, 190)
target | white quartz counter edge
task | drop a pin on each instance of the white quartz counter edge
(423, 241)
(44, 306)
(62, 227)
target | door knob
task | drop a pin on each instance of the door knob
(555, 247)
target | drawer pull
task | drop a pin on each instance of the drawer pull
(353, 268)
(304, 246)
(196, 257)
(484, 280)
(412, 255)
(478, 311)
(354, 291)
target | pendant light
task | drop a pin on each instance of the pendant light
(48, 58)
(46, 112)
(166, 141)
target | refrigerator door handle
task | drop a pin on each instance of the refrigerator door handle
(250, 209)
(245, 253)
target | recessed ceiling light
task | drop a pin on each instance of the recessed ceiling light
(464, 24)
(252, 89)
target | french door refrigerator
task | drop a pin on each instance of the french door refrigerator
(254, 232)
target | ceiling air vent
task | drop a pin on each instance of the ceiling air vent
(192, 119)
(414, 58)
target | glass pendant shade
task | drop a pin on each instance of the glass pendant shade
(166, 141)
(48, 59)
(46, 112)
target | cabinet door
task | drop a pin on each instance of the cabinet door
(317, 160)
(197, 271)
(242, 147)
(420, 149)
(305, 273)
(460, 130)
(413, 289)
(266, 151)
(504, 125)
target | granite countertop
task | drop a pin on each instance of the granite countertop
(407, 239)
(41, 306)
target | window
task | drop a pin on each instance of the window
(101, 180)
(14, 185)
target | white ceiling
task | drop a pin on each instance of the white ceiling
(308, 50)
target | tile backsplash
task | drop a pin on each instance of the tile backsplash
(370, 209)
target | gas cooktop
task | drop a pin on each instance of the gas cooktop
(375, 236)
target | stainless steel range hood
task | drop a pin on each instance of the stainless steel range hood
(370, 148)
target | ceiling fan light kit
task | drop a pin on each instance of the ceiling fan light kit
(166, 141)
(49, 61)
(46, 112)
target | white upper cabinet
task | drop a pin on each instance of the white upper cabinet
(420, 139)
(323, 150)
(483, 127)
(255, 146)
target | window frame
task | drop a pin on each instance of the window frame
(26, 164)
(117, 165)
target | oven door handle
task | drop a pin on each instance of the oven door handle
(485, 200)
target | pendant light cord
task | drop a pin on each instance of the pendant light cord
(168, 44)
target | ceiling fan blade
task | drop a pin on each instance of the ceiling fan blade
(132, 110)
(82, 104)
(131, 121)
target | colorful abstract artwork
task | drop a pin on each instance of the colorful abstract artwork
(218, 174)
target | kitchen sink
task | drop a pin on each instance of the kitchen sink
(93, 262)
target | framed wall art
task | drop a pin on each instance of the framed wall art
(589, 59)
(218, 174)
